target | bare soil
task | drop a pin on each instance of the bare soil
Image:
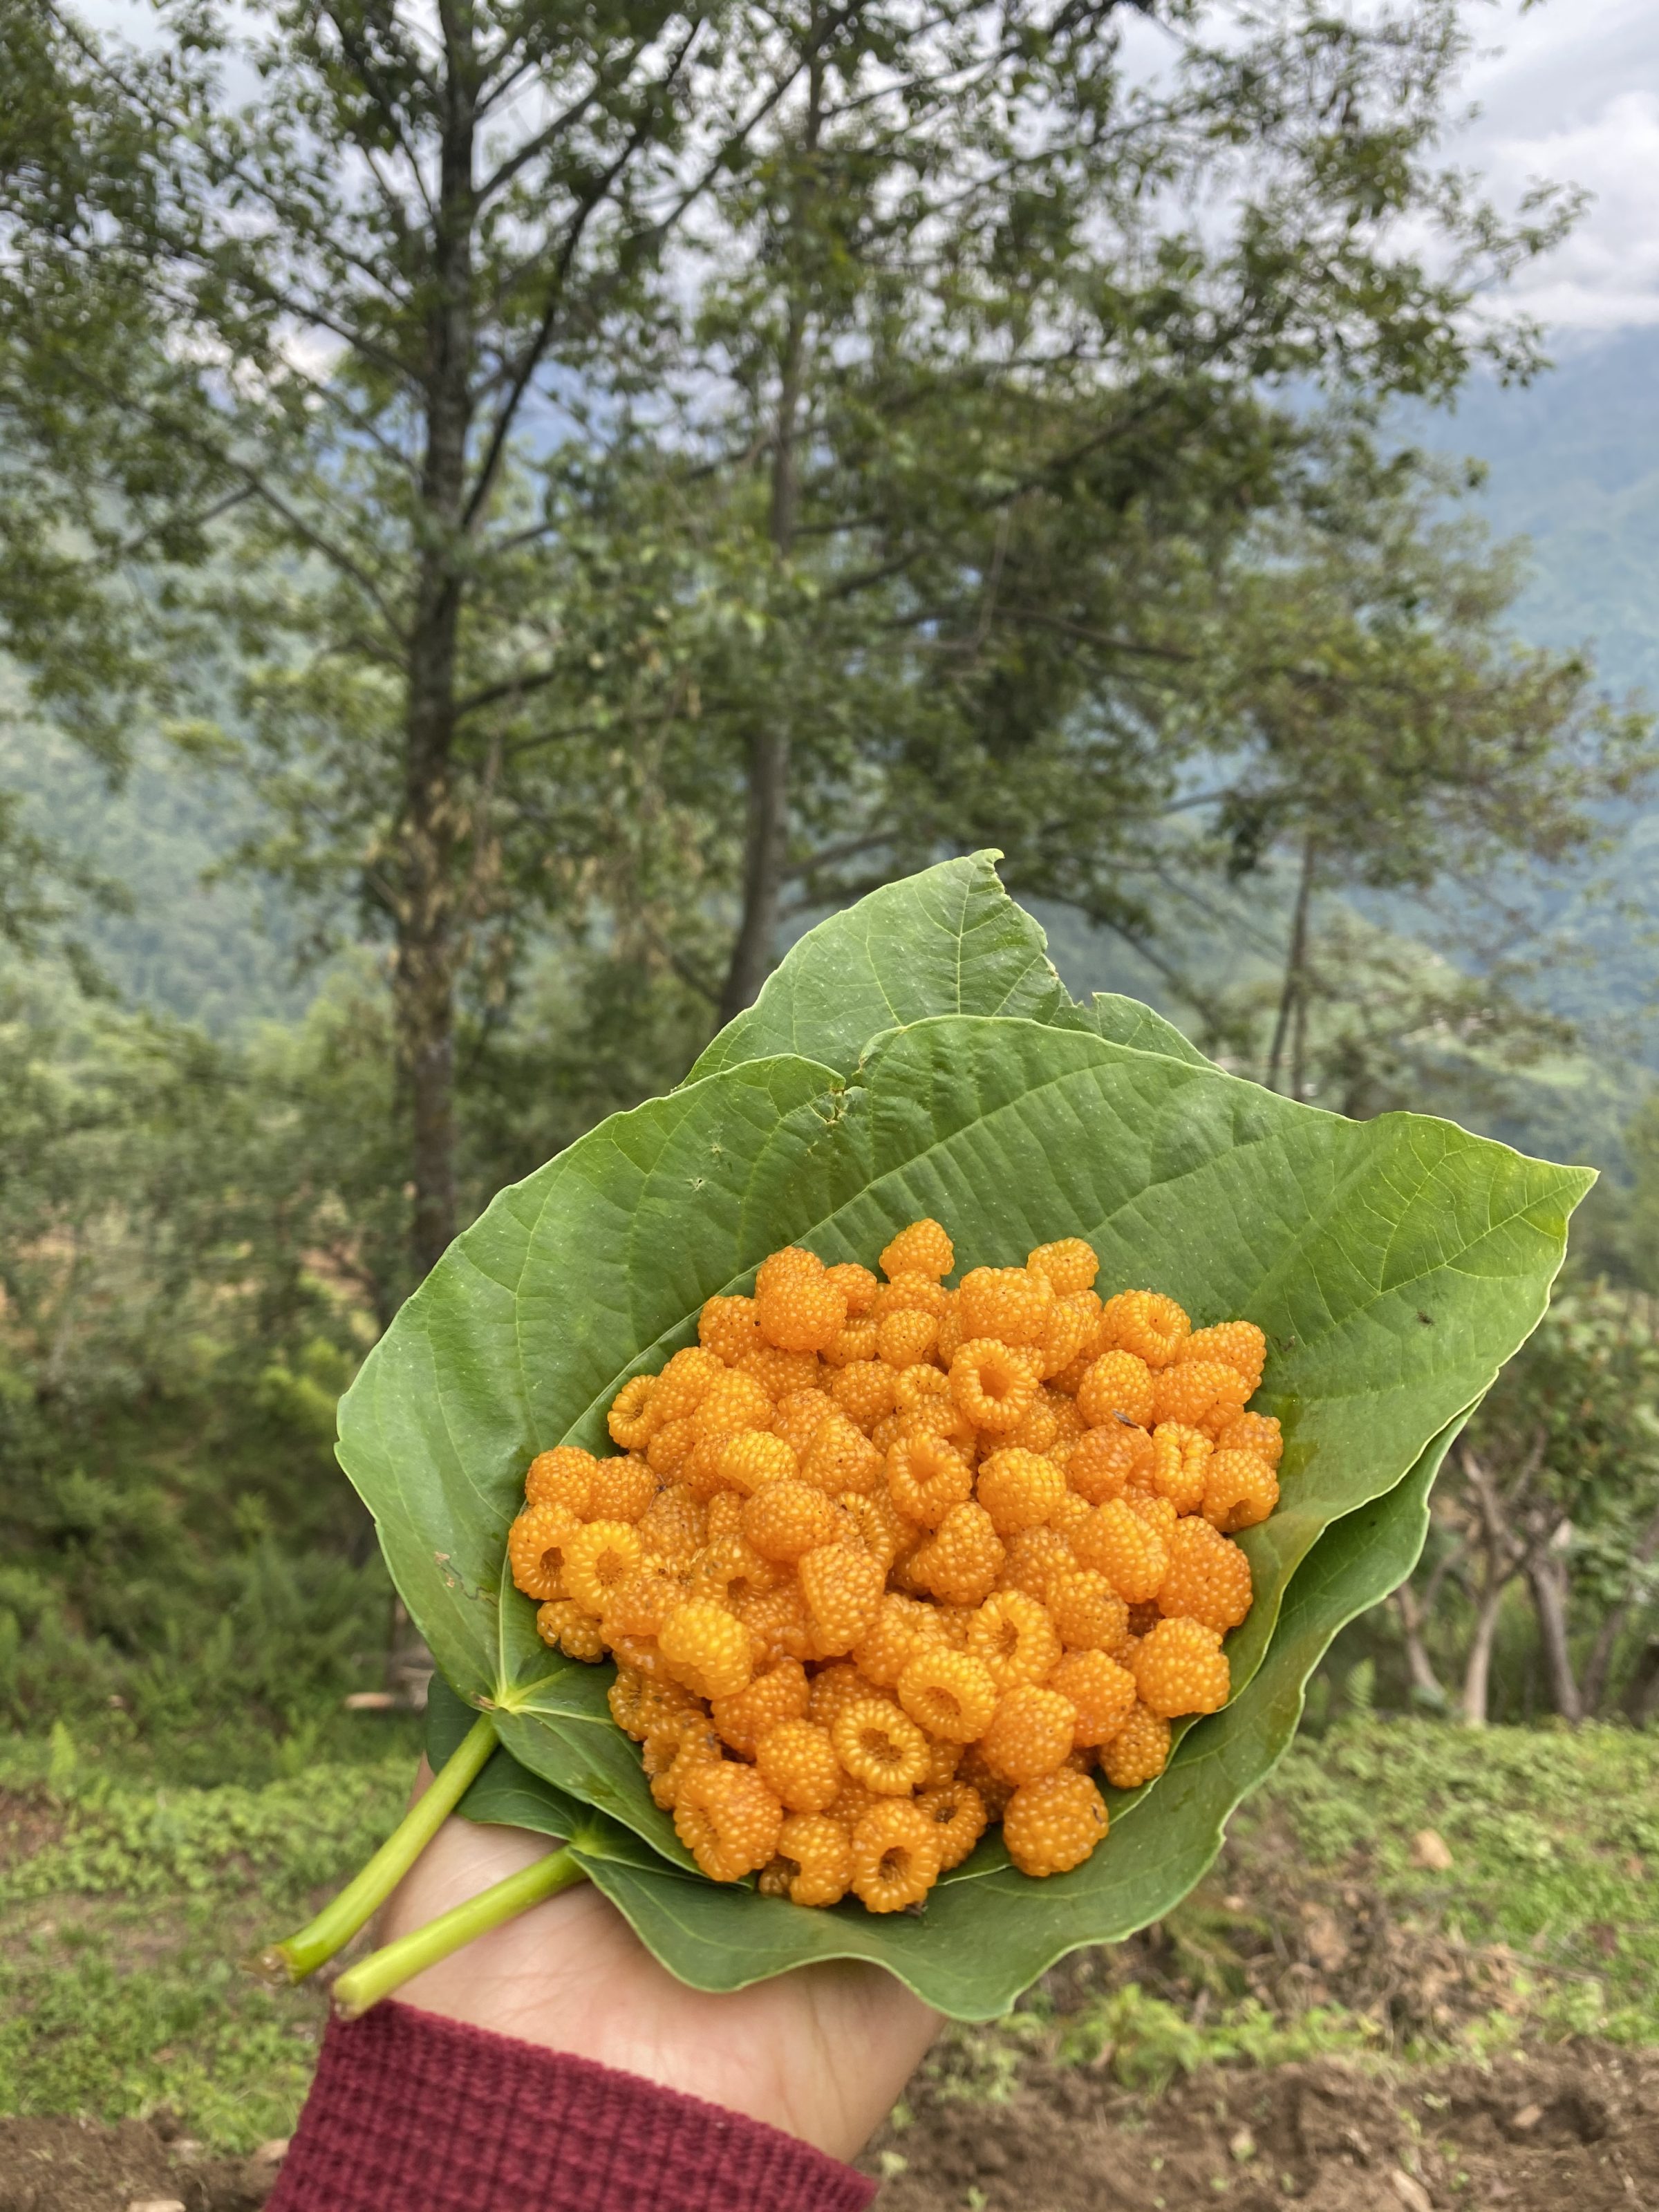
(1569, 2128)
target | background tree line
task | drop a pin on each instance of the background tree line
(599, 490)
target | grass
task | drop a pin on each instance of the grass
(124, 1903)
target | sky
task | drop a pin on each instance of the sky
(1567, 90)
(1573, 95)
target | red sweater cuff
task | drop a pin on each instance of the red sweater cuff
(412, 2113)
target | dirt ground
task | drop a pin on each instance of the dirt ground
(1569, 2128)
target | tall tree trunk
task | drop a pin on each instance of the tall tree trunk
(426, 957)
(1418, 1665)
(1547, 1578)
(1290, 996)
(766, 842)
(1477, 1669)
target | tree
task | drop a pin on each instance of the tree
(885, 540)
(1556, 1486)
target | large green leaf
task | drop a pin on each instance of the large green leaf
(987, 1932)
(1394, 1265)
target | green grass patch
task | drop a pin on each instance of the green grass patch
(125, 1903)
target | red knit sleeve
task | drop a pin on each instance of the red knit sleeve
(412, 2113)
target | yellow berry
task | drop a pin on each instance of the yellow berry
(1209, 1578)
(1030, 1732)
(950, 1694)
(598, 1558)
(1118, 1544)
(857, 1285)
(840, 1457)
(957, 1811)
(1069, 1266)
(670, 1447)
(1036, 1557)
(781, 1373)
(1181, 1667)
(864, 1392)
(961, 1561)
(878, 1526)
(798, 1306)
(731, 1403)
(1102, 1690)
(817, 1851)
(1253, 1432)
(563, 1622)
(620, 1490)
(1237, 1344)
(923, 1249)
(1087, 1613)
(833, 1689)
(1139, 1750)
(799, 1418)
(535, 1549)
(728, 1819)
(1239, 1490)
(1194, 1390)
(1180, 1457)
(1019, 1489)
(927, 1478)
(563, 1477)
(1053, 1823)
(993, 1384)
(843, 1587)
(880, 1746)
(728, 1329)
(1014, 1638)
(684, 1383)
(797, 1760)
(1006, 1303)
(855, 1347)
(1150, 1325)
(706, 1649)
(639, 1603)
(730, 1570)
(630, 1418)
(903, 1338)
(749, 1460)
(897, 1852)
(778, 1695)
(788, 1518)
(899, 1625)
(1118, 1386)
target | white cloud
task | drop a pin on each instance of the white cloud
(1569, 92)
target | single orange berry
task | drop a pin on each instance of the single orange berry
(1019, 1489)
(1036, 1557)
(563, 1477)
(1181, 1667)
(1139, 1750)
(950, 1694)
(563, 1624)
(817, 1853)
(1239, 1490)
(1253, 1432)
(1181, 1458)
(1237, 1344)
(781, 1373)
(1030, 1732)
(796, 1304)
(1087, 1613)
(957, 1811)
(598, 1558)
(1194, 1390)
(855, 1347)
(856, 1285)
(903, 1338)
(788, 1518)
(863, 1392)
(1150, 1325)
(629, 1419)
(1014, 1638)
(799, 1417)
(778, 1695)
(927, 1478)
(1006, 1303)
(728, 1819)
(1051, 1824)
(1070, 1265)
(840, 1457)
(896, 1854)
(1118, 1386)
(797, 1760)
(749, 1460)
(992, 1383)
(961, 1561)
(1103, 1691)
(923, 1249)
(535, 1549)
(843, 1587)
(706, 1649)
(620, 1489)
(1118, 1544)
(1209, 1578)
(880, 1746)
(728, 1329)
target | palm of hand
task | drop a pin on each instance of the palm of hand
(821, 2052)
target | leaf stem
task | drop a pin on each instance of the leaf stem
(387, 1969)
(300, 1954)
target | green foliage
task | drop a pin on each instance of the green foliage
(1394, 1266)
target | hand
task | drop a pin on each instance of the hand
(821, 2052)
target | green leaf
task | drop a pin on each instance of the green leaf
(988, 1932)
(1394, 1265)
(948, 941)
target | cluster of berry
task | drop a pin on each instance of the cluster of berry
(885, 1561)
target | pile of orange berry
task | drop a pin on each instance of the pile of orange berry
(880, 1563)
